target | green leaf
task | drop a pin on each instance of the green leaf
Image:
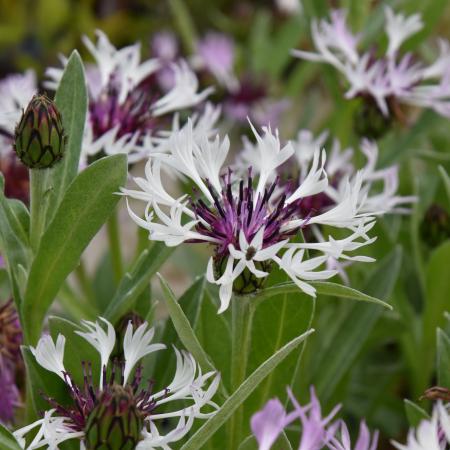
(282, 443)
(136, 280)
(71, 100)
(7, 440)
(443, 359)
(437, 282)
(324, 288)
(445, 180)
(415, 413)
(14, 243)
(334, 361)
(241, 394)
(85, 207)
(184, 329)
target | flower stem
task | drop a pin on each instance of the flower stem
(38, 205)
(114, 246)
(241, 329)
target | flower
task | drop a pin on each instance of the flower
(386, 78)
(251, 221)
(10, 361)
(215, 54)
(118, 409)
(432, 434)
(124, 103)
(317, 431)
(364, 441)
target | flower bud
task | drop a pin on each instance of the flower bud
(39, 136)
(369, 121)
(116, 422)
(435, 227)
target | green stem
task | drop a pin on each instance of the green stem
(38, 205)
(241, 330)
(114, 246)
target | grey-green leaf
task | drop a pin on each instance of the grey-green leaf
(323, 288)
(241, 394)
(71, 100)
(85, 207)
(443, 359)
(183, 327)
(136, 280)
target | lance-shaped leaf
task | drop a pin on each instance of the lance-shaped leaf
(71, 100)
(241, 394)
(136, 280)
(84, 209)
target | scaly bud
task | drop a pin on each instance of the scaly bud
(39, 136)
(116, 422)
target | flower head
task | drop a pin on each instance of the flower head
(119, 410)
(389, 79)
(251, 220)
(317, 430)
(124, 102)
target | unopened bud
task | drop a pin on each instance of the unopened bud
(39, 136)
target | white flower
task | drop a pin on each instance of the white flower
(137, 345)
(102, 341)
(184, 93)
(190, 390)
(389, 76)
(399, 28)
(249, 219)
(50, 355)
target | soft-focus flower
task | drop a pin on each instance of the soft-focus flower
(10, 361)
(317, 431)
(165, 48)
(432, 434)
(342, 441)
(251, 220)
(124, 104)
(117, 407)
(387, 78)
(215, 54)
(251, 101)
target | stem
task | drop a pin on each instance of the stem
(114, 246)
(241, 331)
(38, 205)
(84, 282)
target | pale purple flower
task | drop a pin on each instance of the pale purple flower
(316, 430)
(215, 54)
(165, 47)
(251, 101)
(125, 105)
(341, 440)
(250, 218)
(9, 393)
(391, 76)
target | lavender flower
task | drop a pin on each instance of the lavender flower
(250, 221)
(124, 106)
(364, 441)
(317, 431)
(165, 47)
(117, 405)
(387, 79)
(215, 54)
(10, 361)
(432, 434)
